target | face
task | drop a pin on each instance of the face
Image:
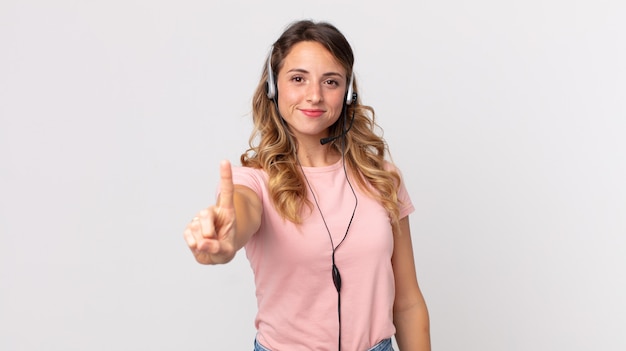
(311, 90)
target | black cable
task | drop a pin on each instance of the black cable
(335, 271)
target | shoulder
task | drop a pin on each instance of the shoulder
(390, 167)
(254, 178)
(393, 168)
(244, 170)
(405, 204)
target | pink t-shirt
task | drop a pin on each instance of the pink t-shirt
(297, 301)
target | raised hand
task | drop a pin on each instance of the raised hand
(211, 234)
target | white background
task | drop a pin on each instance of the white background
(507, 119)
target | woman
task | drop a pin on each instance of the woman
(322, 215)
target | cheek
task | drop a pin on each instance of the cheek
(287, 98)
(287, 92)
(336, 104)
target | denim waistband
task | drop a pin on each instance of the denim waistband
(384, 345)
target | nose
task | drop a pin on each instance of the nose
(314, 92)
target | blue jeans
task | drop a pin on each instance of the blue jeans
(384, 345)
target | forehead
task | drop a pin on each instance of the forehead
(312, 56)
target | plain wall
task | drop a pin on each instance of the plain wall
(507, 119)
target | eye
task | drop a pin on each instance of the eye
(331, 82)
(297, 79)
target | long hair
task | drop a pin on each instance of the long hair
(272, 148)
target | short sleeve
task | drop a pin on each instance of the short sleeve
(405, 204)
(249, 177)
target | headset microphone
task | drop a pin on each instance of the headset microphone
(343, 133)
(325, 141)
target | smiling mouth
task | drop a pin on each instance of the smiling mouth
(312, 113)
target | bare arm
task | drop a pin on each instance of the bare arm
(410, 314)
(216, 233)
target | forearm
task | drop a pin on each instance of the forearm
(413, 328)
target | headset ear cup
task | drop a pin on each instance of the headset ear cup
(352, 100)
(270, 83)
(350, 94)
(270, 88)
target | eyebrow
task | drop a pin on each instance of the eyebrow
(327, 74)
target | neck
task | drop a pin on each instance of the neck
(317, 155)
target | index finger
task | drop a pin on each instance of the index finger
(226, 185)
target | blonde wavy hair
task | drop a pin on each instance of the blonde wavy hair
(272, 148)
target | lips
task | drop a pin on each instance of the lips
(312, 112)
